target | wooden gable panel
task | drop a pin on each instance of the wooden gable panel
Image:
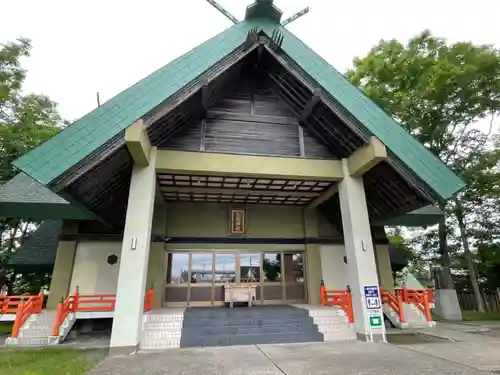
(251, 119)
(252, 137)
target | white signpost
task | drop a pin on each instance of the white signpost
(374, 309)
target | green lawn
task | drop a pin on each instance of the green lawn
(5, 327)
(476, 315)
(47, 362)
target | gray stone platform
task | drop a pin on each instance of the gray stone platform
(289, 359)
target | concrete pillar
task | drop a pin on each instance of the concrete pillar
(63, 267)
(361, 266)
(62, 273)
(156, 268)
(156, 279)
(384, 267)
(127, 322)
(313, 258)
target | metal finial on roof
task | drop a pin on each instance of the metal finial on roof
(223, 10)
(263, 9)
(295, 16)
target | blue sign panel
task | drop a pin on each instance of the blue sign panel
(372, 299)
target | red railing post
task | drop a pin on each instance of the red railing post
(76, 298)
(18, 320)
(57, 321)
(322, 293)
(404, 294)
(401, 308)
(427, 307)
(350, 313)
(40, 303)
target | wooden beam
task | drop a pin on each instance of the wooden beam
(324, 196)
(217, 164)
(137, 142)
(236, 58)
(366, 157)
(205, 94)
(308, 108)
(231, 191)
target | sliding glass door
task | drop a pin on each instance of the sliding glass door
(197, 278)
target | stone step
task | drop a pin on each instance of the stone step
(26, 342)
(159, 325)
(257, 321)
(330, 319)
(339, 336)
(154, 335)
(257, 314)
(34, 333)
(163, 318)
(335, 328)
(252, 329)
(160, 344)
(327, 312)
(250, 339)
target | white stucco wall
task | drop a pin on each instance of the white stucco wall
(333, 268)
(91, 271)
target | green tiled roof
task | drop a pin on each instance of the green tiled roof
(419, 160)
(39, 249)
(23, 188)
(422, 217)
(23, 197)
(58, 154)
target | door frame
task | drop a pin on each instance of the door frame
(237, 253)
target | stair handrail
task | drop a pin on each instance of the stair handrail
(32, 305)
(341, 298)
(395, 302)
(10, 304)
(63, 310)
(67, 306)
(421, 298)
(149, 300)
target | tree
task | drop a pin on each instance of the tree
(25, 122)
(439, 91)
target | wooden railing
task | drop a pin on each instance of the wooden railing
(395, 302)
(9, 304)
(63, 310)
(95, 302)
(149, 300)
(340, 298)
(25, 308)
(92, 302)
(421, 298)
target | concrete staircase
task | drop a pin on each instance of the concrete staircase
(332, 322)
(414, 318)
(247, 326)
(162, 329)
(222, 326)
(37, 330)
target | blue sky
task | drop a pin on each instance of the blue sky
(81, 47)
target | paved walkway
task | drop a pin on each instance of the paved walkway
(290, 359)
(473, 344)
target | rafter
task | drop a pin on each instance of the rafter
(315, 99)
